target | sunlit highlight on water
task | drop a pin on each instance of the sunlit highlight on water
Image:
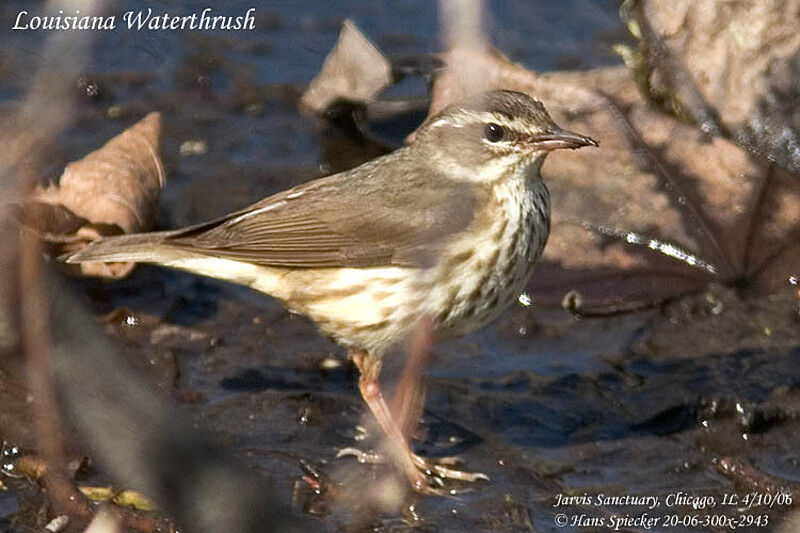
(665, 248)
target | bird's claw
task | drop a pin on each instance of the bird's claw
(442, 469)
(429, 476)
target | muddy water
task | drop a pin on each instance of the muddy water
(646, 404)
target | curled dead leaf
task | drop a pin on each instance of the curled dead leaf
(355, 70)
(112, 190)
(125, 498)
(732, 67)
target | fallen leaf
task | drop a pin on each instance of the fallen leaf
(36, 467)
(731, 66)
(355, 70)
(127, 498)
(112, 190)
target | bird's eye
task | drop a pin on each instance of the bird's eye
(494, 132)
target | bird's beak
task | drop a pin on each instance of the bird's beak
(558, 138)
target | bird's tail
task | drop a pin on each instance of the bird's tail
(139, 248)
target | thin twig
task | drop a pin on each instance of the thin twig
(36, 342)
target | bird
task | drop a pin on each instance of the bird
(445, 229)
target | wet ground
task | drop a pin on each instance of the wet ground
(654, 403)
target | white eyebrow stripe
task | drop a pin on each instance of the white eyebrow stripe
(465, 118)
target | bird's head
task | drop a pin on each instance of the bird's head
(492, 135)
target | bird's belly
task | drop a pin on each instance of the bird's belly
(364, 308)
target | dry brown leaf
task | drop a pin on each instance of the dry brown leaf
(112, 190)
(129, 498)
(658, 208)
(355, 70)
(731, 62)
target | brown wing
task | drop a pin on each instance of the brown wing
(355, 218)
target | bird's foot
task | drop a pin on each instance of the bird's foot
(428, 476)
(442, 468)
(431, 476)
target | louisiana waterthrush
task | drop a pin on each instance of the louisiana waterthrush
(445, 229)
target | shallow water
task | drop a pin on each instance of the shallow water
(544, 403)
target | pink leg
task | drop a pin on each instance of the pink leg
(419, 471)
